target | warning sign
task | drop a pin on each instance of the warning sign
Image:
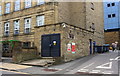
(69, 47)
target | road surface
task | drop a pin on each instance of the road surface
(97, 65)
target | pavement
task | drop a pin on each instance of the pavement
(39, 62)
(8, 66)
(102, 64)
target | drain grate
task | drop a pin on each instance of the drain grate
(52, 70)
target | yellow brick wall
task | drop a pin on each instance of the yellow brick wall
(77, 13)
(32, 13)
(95, 16)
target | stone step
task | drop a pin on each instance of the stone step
(39, 62)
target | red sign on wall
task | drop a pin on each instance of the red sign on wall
(73, 48)
(69, 47)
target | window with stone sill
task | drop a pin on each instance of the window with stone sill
(40, 20)
(17, 5)
(16, 27)
(27, 30)
(28, 3)
(6, 29)
(27, 25)
(7, 8)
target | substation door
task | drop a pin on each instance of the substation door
(50, 45)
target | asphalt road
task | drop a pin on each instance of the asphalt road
(105, 64)
(119, 63)
(102, 64)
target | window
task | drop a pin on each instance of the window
(17, 5)
(109, 16)
(108, 5)
(40, 20)
(7, 8)
(28, 3)
(6, 29)
(26, 44)
(39, 2)
(5, 47)
(27, 25)
(113, 4)
(16, 27)
(92, 6)
(113, 15)
(0, 10)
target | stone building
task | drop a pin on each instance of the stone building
(61, 30)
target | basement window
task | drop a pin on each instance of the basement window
(26, 44)
(5, 48)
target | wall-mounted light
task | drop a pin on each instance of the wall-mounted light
(64, 25)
